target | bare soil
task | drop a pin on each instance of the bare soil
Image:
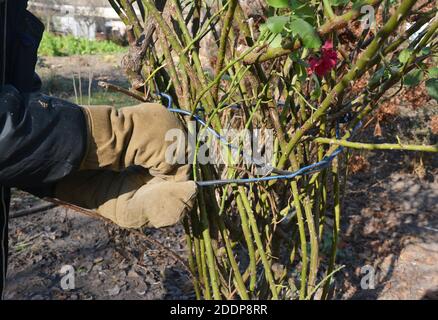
(390, 224)
(109, 263)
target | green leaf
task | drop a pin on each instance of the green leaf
(304, 11)
(432, 88)
(279, 3)
(425, 51)
(263, 28)
(300, 68)
(276, 41)
(404, 56)
(316, 92)
(414, 78)
(306, 32)
(377, 76)
(276, 24)
(295, 56)
(433, 72)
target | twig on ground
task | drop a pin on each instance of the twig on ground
(33, 210)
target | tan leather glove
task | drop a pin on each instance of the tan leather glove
(111, 181)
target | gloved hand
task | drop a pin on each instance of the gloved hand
(125, 175)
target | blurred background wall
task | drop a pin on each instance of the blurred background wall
(92, 19)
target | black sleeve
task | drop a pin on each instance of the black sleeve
(4, 216)
(20, 35)
(42, 139)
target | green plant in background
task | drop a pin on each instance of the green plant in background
(273, 240)
(56, 45)
(102, 97)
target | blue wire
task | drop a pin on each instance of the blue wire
(316, 167)
(169, 99)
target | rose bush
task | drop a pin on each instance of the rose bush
(292, 70)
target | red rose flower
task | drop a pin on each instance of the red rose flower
(327, 61)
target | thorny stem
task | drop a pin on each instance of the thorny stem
(223, 42)
(336, 227)
(371, 146)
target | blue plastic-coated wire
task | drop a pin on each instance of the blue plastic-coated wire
(325, 163)
(316, 167)
(169, 99)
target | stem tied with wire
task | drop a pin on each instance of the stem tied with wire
(280, 66)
